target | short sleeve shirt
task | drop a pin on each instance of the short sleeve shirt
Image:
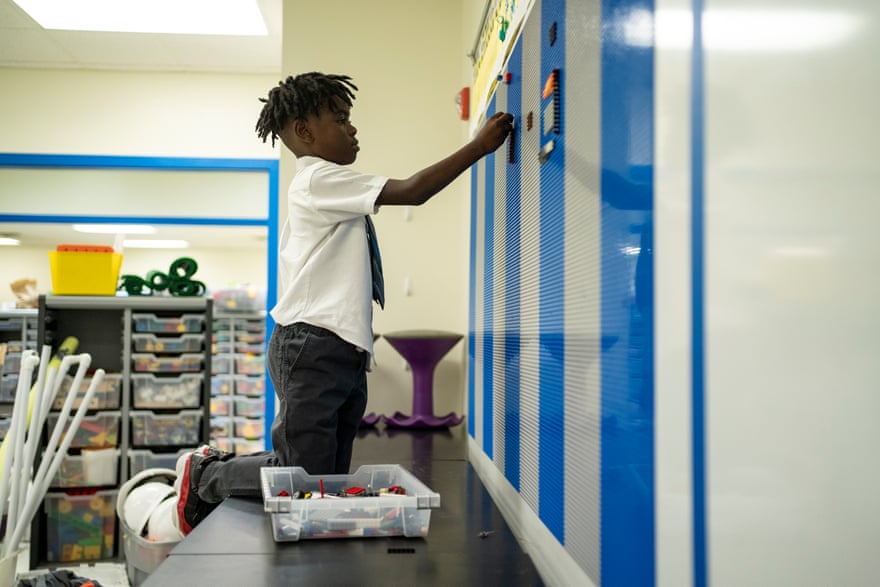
(324, 260)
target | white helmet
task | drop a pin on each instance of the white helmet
(161, 527)
(142, 502)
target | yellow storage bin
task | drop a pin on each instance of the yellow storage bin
(84, 270)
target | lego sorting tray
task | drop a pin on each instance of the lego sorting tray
(380, 500)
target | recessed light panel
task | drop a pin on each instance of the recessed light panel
(186, 17)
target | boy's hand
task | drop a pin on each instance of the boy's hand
(418, 188)
(494, 132)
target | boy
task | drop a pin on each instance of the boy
(330, 273)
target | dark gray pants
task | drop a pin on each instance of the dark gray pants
(321, 385)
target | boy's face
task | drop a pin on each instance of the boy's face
(333, 135)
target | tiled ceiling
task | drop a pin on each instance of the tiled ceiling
(24, 44)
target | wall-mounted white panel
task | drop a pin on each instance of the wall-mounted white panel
(672, 281)
(791, 292)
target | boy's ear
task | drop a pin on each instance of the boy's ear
(302, 130)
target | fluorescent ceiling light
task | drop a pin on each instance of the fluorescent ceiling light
(186, 17)
(154, 244)
(8, 241)
(115, 228)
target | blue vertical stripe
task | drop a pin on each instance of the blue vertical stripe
(271, 292)
(551, 271)
(627, 300)
(698, 358)
(472, 304)
(489, 304)
(512, 215)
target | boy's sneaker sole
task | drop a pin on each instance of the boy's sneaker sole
(190, 508)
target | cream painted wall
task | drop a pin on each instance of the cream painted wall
(131, 113)
(136, 114)
(408, 65)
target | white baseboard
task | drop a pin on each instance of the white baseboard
(553, 563)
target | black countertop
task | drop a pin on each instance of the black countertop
(468, 541)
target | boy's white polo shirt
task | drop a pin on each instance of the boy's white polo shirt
(324, 259)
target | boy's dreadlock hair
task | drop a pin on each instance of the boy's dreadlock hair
(298, 97)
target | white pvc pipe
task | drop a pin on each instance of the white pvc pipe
(45, 393)
(25, 464)
(19, 407)
(14, 451)
(84, 360)
(54, 453)
(41, 485)
(45, 359)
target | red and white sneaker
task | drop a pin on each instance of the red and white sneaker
(190, 508)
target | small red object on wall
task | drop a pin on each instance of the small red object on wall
(463, 99)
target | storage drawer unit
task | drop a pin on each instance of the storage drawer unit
(239, 368)
(152, 406)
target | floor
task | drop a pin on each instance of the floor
(108, 574)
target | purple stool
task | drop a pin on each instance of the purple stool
(422, 349)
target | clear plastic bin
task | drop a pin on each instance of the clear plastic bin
(221, 405)
(250, 348)
(250, 325)
(142, 459)
(250, 407)
(150, 391)
(221, 427)
(222, 348)
(226, 445)
(249, 427)
(92, 468)
(12, 363)
(180, 429)
(8, 387)
(378, 511)
(250, 386)
(224, 336)
(221, 384)
(251, 338)
(221, 365)
(80, 527)
(97, 431)
(239, 299)
(106, 396)
(179, 324)
(250, 364)
(12, 346)
(185, 363)
(243, 446)
(150, 343)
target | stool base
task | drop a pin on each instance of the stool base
(401, 420)
(370, 419)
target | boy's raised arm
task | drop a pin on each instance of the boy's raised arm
(418, 188)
